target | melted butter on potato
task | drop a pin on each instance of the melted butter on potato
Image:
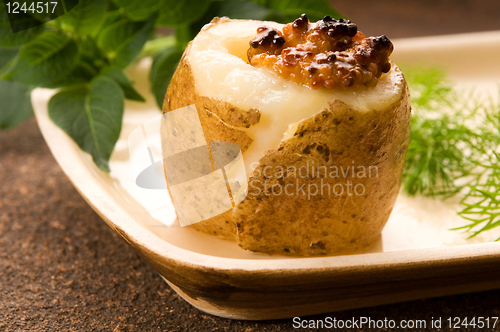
(220, 69)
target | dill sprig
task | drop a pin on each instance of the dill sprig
(444, 139)
(437, 155)
(482, 202)
(454, 147)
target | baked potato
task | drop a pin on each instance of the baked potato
(323, 151)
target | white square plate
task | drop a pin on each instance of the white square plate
(416, 257)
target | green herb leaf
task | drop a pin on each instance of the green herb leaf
(91, 62)
(124, 82)
(164, 66)
(48, 57)
(10, 39)
(110, 17)
(482, 201)
(122, 41)
(91, 116)
(85, 17)
(447, 141)
(92, 55)
(436, 155)
(6, 55)
(140, 10)
(175, 12)
(81, 73)
(15, 98)
(154, 46)
(184, 34)
(292, 9)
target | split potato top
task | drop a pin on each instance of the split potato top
(221, 70)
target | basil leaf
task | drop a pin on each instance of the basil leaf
(124, 82)
(123, 41)
(175, 12)
(15, 98)
(48, 57)
(139, 10)
(292, 9)
(10, 39)
(91, 116)
(164, 66)
(85, 17)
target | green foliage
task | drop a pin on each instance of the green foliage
(158, 45)
(10, 39)
(48, 57)
(140, 10)
(14, 96)
(6, 55)
(122, 41)
(434, 159)
(85, 18)
(85, 53)
(91, 116)
(453, 147)
(482, 201)
(123, 81)
(16, 105)
(175, 12)
(164, 65)
(450, 134)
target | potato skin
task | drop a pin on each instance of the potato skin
(327, 224)
(215, 115)
(298, 225)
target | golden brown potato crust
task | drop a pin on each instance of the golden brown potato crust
(337, 136)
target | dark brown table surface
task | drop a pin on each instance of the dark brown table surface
(63, 269)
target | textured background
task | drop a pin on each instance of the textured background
(63, 269)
